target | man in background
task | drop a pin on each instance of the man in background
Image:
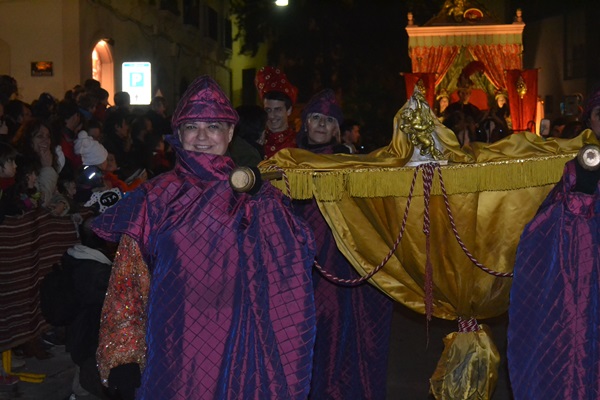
(350, 135)
(278, 96)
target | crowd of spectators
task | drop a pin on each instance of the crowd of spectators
(57, 140)
(56, 152)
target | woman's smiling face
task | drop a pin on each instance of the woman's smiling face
(206, 137)
(41, 140)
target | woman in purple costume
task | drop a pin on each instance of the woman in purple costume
(210, 295)
(353, 323)
(554, 328)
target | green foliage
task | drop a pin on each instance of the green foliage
(252, 18)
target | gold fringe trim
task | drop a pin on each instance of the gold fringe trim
(458, 178)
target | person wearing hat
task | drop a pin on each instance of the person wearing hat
(278, 96)
(353, 323)
(90, 150)
(211, 292)
(94, 154)
(321, 120)
(591, 112)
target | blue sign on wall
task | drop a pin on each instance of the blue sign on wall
(137, 81)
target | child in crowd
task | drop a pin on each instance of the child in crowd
(28, 196)
(111, 179)
(8, 170)
(67, 187)
(94, 154)
(160, 161)
(59, 205)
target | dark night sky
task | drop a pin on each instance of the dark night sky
(534, 10)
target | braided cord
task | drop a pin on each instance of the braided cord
(358, 281)
(286, 180)
(468, 325)
(457, 236)
(428, 176)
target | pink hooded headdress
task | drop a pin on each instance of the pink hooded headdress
(205, 101)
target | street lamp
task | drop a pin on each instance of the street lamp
(281, 3)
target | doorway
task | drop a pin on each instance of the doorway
(103, 67)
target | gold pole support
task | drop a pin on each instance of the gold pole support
(244, 179)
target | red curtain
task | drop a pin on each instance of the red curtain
(498, 58)
(522, 110)
(428, 79)
(433, 59)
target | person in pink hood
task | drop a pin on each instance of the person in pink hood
(211, 294)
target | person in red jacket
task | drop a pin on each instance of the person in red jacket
(278, 96)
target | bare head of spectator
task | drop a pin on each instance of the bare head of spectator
(44, 106)
(159, 105)
(87, 104)
(15, 113)
(91, 85)
(8, 88)
(122, 100)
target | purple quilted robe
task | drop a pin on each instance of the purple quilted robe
(353, 325)
(554, 328)
(230, 308)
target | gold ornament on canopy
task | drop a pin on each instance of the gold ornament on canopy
(417, 122)
(521, 87)
(454, 9)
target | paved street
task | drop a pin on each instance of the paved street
(59, 372)
(412, 362)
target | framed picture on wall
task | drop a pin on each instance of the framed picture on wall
(41, 68)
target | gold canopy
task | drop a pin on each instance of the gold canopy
(493, 190)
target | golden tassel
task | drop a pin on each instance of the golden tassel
(458, 178)
(329, 185)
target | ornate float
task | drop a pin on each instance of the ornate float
(464, 38)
